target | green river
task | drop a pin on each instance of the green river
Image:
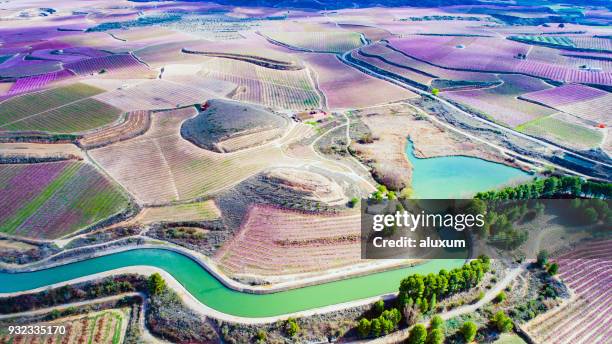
(212, 293)
(443, 177)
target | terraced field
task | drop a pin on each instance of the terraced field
(135, 123)
(324, 41)
(280, 89)
(153, 95)
(585, 318)
(188, 212)
(273, 239)
(66, 109)
(50, 200)
(160, 166)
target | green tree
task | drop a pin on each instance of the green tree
(436, 323)
(156, 284)
(364, 327)
(435, 336)
(376, 328)
(553, 269)
(353, 202)
(435, 91)
(590, 215)
(542, 258)
(502, 322)
(379, 307)
(418, 335)
(291, 327)
(468, 331)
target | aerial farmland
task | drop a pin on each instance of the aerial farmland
(221, 172)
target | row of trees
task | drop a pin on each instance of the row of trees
(384, 324)
(549, 188)
(434, 335)
(425, 291)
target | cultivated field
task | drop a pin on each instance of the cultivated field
(501, 103)
(345, 87)
(66, 109)
(134, 124)
(273, 239)
(325, 41)
(105, 327)
(160, 166)
(562, 129)
(153, 95)
(189, 212)
(50, 200)
(280, 89)
(586, 316)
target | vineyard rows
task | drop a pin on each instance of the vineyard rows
(272, 240)
(248, 140)
(197, 211)
(586, 317)
(82, 115)
(154, 95)
(49, 200)
(322, 41)
(270, 87)
(101, 328)
(124, 63)
(31, 83)
(492, 55)
(564, 95)
(136, 123)
(160, 166)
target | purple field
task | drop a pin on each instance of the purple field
(564, 95)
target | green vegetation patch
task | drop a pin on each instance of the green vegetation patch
(557, 41)
(79, 116)
(562, 131)
(31, 104)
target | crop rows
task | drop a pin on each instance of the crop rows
(136, 123)
(249, 140)
(101, 328)
(123, 63)
(493, 55)
(322, 41)
(49, 200)
(154, 95)
(160, 166)
(31, 104)
(394, 69)
(197, 211)
(565, 132)
(31, 83)
(585, 318)
(564, 95)
(270, 87)
(597, 110)
(273, 240)
(75, 117)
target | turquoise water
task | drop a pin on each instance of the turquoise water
(458, 176)
(212, 293)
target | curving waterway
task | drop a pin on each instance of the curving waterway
(208, 290)
(458, 176)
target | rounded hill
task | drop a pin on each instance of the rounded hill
(226, 126)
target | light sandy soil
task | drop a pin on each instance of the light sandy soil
(40, 150)
(198, 211)
(391, 125)
(12, 245)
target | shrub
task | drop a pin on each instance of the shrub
(553, 269)
(500, 297)
(376, 328)
(261, 336)
(379, 307)
(364, 327)
(502, 322)
(435, 91)
(353, 202)
(291, 327)
(156, 284)
(436, 323)
(418, 335)
(468, 331)
(435, 336)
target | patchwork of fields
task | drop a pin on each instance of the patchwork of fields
(50, 200)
